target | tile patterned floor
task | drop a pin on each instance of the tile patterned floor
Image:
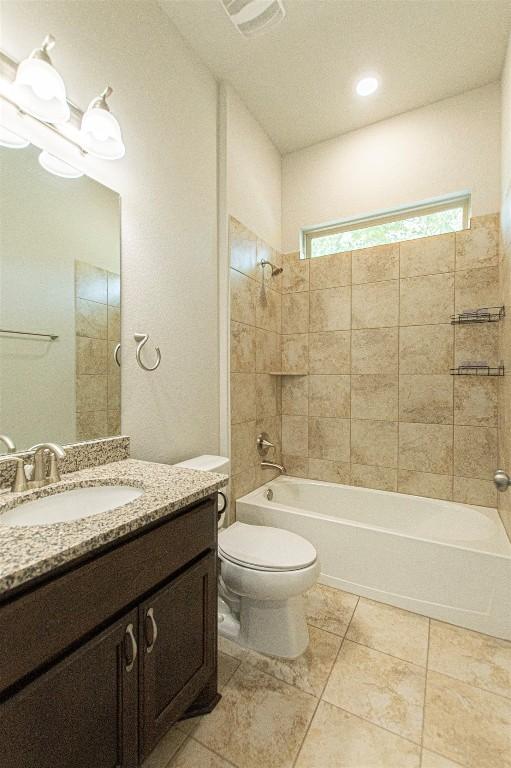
(377, 688)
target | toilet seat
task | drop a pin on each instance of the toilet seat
(263, 548)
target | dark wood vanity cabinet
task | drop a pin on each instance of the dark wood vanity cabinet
(106, 698)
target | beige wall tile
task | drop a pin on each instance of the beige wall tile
(114, 289)
(267, 393)
(381, 478)
(466, 724)
(477, 288)
(426, 399)
(432, 760)
(243, 446)
(295, 395)
(329, 439)
(295, 313)
(390, 630)
(295, 435)
(268, 351)
(243, 298)
(475, 452)
(113, 422)
(91, 425)
(374, 443)
(114, 324)
(427, 299)
(91, 282)
(296, 466)
(374, 350)
(487, 220)
(330, 309)
(268, 309)
(330, 352)
(337, 738)
(375, 305)
(243, 249)
(370, 265)
(424, 484)
(330, 471)
(374, 396)
(329, 395)
(477, 342)
(427, 255)
(330, 271)
(91, 319)
(242, 483)
(114, 389)
(90, 355)
(91, 393)
(295, 275)
(243, 348)
(295, 353)
(476, 248)
(426, 447)
(426, 349)
(388, 692)
(243, 397)
(475, 401)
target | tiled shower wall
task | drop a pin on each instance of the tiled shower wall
(378, 407)
(98, 378)
(505, 352)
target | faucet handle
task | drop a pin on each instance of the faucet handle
(20, 479)
(54, 473)
(264, 444)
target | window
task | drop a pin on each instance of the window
(406, 224)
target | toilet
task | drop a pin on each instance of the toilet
(263, 575)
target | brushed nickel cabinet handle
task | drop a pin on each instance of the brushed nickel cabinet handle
(152, 634)
(131, 653)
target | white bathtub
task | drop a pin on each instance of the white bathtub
(445, 560)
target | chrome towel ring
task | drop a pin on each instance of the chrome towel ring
(117, 349)
(142, 339)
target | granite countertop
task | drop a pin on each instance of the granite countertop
(29, 552)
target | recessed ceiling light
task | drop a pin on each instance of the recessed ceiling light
(366, 86)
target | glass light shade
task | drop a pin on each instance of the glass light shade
(12, 140)
(101, 134)
(58, 167)
(40, 91)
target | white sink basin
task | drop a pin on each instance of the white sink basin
(70, 505)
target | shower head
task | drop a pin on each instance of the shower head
(274, 270)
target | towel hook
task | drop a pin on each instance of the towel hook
(142, 338)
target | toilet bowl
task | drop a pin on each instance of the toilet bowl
(264, 573)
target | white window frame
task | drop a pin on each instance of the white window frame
(458, 201)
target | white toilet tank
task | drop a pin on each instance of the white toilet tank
(207, 463)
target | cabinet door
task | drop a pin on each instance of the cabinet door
(177, 648)
(82, 713)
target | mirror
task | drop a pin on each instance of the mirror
(59, 304)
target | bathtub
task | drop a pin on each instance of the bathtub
(445, 560)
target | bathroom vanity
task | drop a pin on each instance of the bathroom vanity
(108, 623)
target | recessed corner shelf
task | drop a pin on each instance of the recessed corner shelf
(482, 315)
(477, 370)
(288, 373)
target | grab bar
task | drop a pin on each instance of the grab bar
(51, 336)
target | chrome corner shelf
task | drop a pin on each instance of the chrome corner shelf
(482, 315)
(478, 370)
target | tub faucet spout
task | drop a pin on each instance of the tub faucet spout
(272, 465)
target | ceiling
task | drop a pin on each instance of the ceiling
(298, 78)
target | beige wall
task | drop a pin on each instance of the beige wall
(505, 285)
(450, 146)
(379, 407)
(166, 102)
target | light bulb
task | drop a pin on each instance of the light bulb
(58, 167)
(366, 86)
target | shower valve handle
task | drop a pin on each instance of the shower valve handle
(501, 480)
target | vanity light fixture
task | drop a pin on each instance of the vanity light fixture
(58, 167)
(100, 132)
(38, 87)
(12, 140)
(367, 85)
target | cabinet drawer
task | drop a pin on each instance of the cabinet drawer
(40, 624)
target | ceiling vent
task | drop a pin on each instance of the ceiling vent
(253, 17)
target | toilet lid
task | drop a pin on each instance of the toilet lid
(265, 548)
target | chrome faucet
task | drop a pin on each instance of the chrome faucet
(9, 444)
(41, 476)
(272, 465)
